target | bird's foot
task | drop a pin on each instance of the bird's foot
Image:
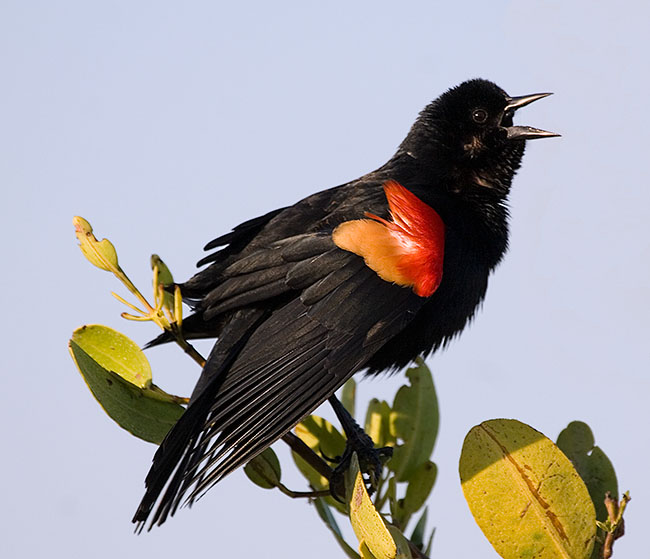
(371, 459)
(371, 464)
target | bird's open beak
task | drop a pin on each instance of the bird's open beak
(526, 132)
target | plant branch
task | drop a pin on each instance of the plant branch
(615, 525)
(302, 494)
(308, 455)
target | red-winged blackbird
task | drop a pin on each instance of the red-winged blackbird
(367, 275)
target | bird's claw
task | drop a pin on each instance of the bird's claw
(330, 459)
(371, 463)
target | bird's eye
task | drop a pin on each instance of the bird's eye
(479, 116)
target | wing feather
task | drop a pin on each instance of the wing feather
(322, 315)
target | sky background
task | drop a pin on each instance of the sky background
(165, 124)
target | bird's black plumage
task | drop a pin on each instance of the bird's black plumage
(295, 315)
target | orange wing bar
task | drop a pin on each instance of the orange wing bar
(408, 250)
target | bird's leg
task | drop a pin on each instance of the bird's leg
(371, 459)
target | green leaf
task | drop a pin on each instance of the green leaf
(99, 253)
(595, 469)
(321, 436)
(414, 419)
(377, 425)
(417, 538)
(419, 487)
(427, 549)
(525, 494)
(324, 439)
(114, 352)
(326, 516)
(127, 404)
(264, 470)
(348, 396)
(165, 277)
(367, 523)
(417, 491)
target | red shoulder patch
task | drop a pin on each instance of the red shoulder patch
(407, 250)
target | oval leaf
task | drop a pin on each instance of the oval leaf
(264, 470)
(367, 523)
(414, 419)
(128, 405)
(524, 493)
(114, 352)
(593, 465)
(417, 491)
(420, 486)
(377, 425)
(321, 436)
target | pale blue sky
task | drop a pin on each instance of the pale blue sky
(167, 123)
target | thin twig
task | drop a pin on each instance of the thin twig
(616, 523)
(302, 494)
(308, 455)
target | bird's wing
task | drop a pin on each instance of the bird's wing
(275, 363)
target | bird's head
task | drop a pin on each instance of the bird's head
(468, 136)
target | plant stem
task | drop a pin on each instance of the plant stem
(308, 455)
(302, 494)
(615, 512)
(187, 347)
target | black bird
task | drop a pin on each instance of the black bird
(366, 275)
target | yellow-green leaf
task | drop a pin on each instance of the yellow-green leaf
(114, 352)
(348, 396)
(377, 424)
(367, 523)
(524, 493)
(324, 439)
(100, 253)
(321, 436)
(264, 470)
(414, 419)
(165, 279)
(127, 404)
